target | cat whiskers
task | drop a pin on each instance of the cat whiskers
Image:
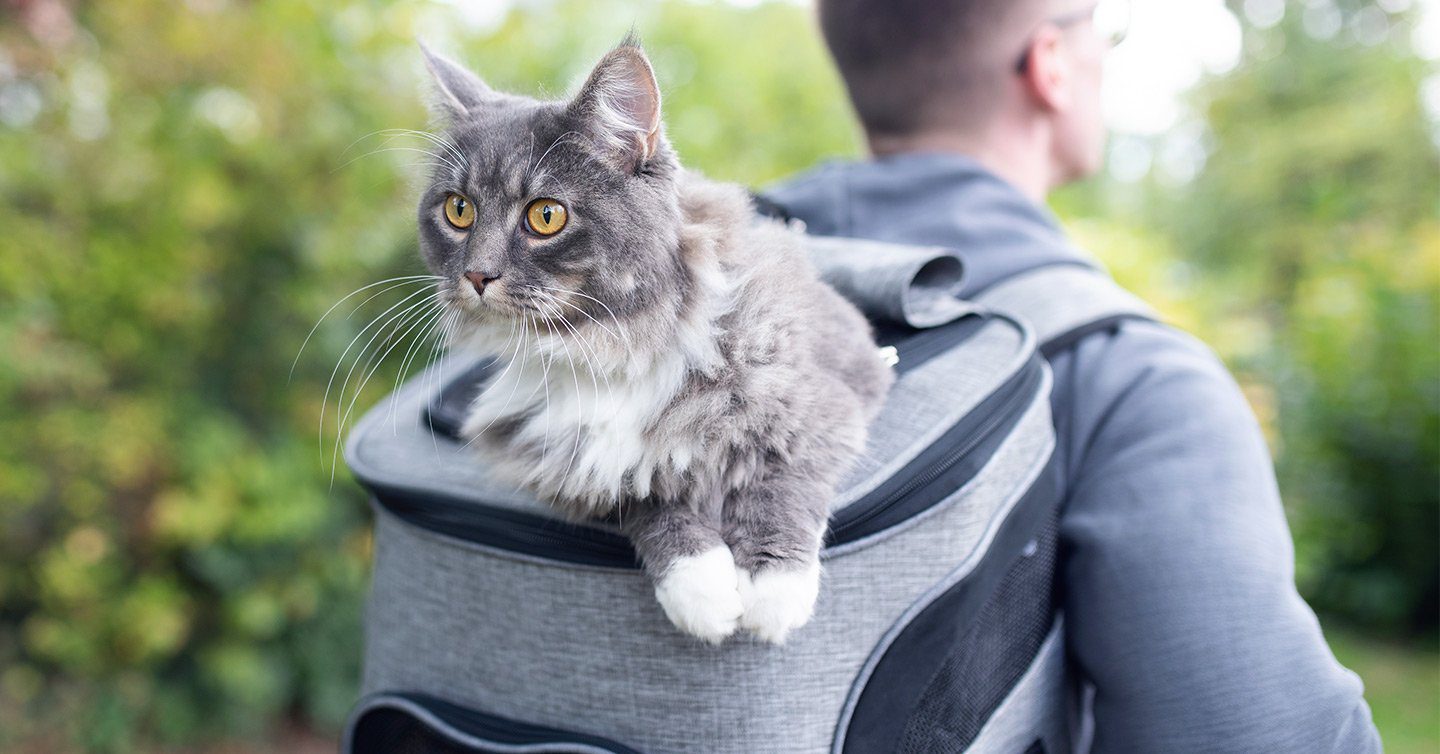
(440, 334)
(442, 159)
(592, 361)
(625, 336)
(428, 282)
(452, 157)
(445, 144)
(451, 147)
(447, 334)
(536, 167)
(511, 360)
(531, 156)
(403, 281)
(545, 311)
(545, 380)
(544, 317)
(409, 322)
(405, 302)
(591, 354)
(533, 180)
(554, 312)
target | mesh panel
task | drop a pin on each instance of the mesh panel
(384, 729)
(391, 731)
(997, 649)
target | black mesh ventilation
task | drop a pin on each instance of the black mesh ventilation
(995, 651)
(395, 729)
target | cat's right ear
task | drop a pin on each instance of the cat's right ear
(458, 91)
(620, 103)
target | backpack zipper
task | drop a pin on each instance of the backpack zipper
(553, 539)
(507, 529)
(1001, 409)
(927, 344)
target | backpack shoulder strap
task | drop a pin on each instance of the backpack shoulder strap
(1065, 303)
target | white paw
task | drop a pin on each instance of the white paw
(699, 594)
(778, 601)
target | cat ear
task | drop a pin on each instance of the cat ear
(458, 91)
(621, 104)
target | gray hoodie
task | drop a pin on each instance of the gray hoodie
(1177, 577)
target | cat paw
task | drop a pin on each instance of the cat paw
(778, 601)
(699, 594)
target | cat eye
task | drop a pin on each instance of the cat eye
(459, 211)
(545, 217)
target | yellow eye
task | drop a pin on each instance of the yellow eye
(545, 216)
(459, 211)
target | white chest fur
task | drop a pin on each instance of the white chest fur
(577, 434)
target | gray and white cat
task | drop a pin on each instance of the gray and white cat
(666, 361)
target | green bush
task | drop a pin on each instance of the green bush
(186, 190)
(1315, 216)
(173, 561)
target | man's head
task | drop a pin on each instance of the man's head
(925, 72)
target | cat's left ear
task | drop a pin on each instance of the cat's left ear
(458, 91)
(620, 103)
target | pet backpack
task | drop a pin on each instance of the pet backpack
(493, 626)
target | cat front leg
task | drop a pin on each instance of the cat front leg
(774, 528)
(695, 578)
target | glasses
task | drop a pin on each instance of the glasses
(1110, 19)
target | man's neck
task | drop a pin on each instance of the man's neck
(1019, 162)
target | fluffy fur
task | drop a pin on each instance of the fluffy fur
(667, 360)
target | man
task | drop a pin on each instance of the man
(1177, 579)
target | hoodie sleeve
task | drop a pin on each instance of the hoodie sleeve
(1179, 584)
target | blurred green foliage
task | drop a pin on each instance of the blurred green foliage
(1319, 211)
(1315, 226)
(186, 188)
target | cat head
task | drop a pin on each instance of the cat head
(540, 209)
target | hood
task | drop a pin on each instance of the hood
(931, 199)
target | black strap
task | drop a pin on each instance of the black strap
(447, 410)
(1068, 339)
(767, 207)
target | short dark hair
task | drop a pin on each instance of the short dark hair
(914, 64)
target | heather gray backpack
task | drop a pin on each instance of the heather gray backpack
(494, 627)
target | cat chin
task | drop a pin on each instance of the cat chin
(483, 330)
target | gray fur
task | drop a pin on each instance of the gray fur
(693, 378)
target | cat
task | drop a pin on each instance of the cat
(666, 360)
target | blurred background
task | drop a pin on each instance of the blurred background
(187, 187)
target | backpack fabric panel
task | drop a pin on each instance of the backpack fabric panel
(586, 649)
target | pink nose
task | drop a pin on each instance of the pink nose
(480, 280)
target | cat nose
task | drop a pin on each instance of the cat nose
(480, 280)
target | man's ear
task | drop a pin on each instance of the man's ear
(1047, 74)
(620, 105)
(458, 91)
